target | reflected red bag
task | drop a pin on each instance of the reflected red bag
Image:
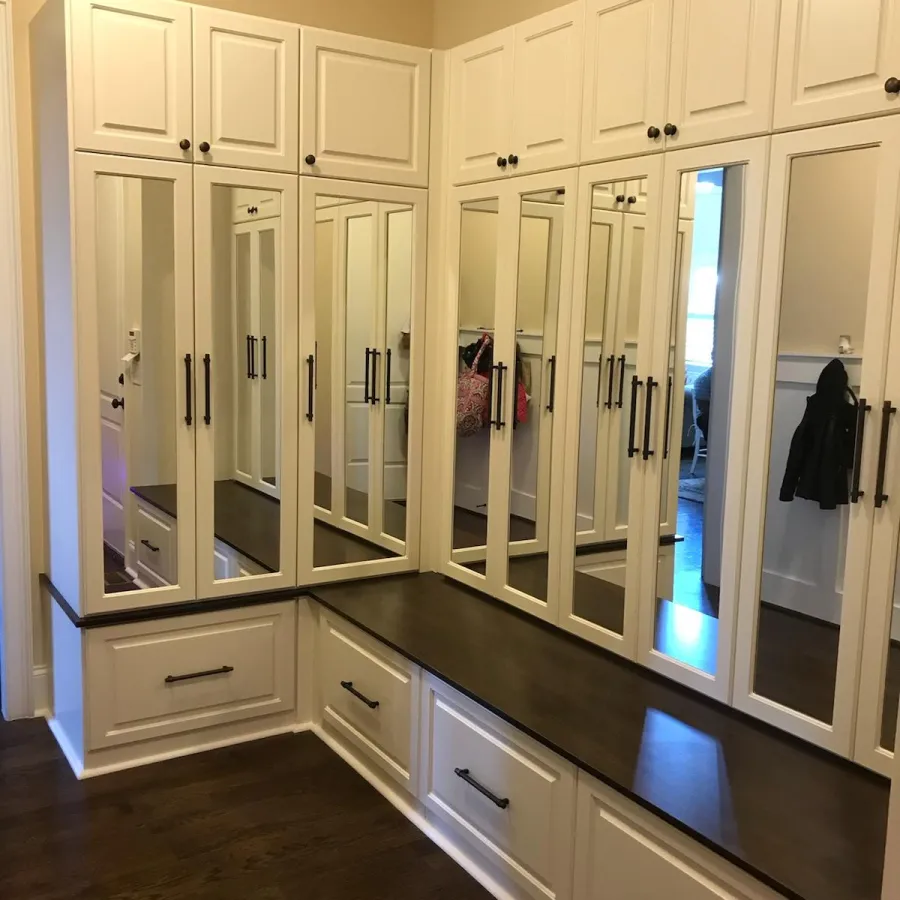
(473, 396)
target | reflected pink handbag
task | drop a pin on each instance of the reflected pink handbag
(473, 396)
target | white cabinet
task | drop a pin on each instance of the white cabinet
(246, 85)
(131, 76)
(365, 109)
(515, 98)
(625, 66)
(837, 61)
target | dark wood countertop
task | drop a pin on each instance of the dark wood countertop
(809, 825)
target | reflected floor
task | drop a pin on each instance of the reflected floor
(470, 529)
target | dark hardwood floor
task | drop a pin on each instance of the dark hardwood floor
(278, 819)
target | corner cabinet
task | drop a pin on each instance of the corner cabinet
(365, 109)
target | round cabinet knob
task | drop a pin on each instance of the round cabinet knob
(116, 403)
(670, 129)
(632, 199)
(310, 160)
(204, 147)
(185, 144)
(513, 159)
(653, 132)
(620, 198)
(892, 86)
(501, 162)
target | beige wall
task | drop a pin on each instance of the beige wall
(827, 249)
(458, 21)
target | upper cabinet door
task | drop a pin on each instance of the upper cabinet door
(722, 69)
(626, 58)
(547, 99)
(246, 78)
(365, 109)
(131, 80)
(481, 88)
(835, 60)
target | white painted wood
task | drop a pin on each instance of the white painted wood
(546, 118)
(388, 735)
(17, 697)
(156, 541)
(246, 85)
(481, 109)
(126, 667)
(286, 372)
(364, 108)
(131, 76)
(883, 134)
(752, 155)
(891, 881)
(722, 69)
(834, 59)
(528, 840)
(626, 56)
(624, 852)
(89, 169)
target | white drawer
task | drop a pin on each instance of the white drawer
(228, 563)
(156, 544)
(152, 679)
(505, 794)
(370, 695)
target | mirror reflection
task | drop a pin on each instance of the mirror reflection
(696, 395)
(245, 373)
(363, 303)
(139, 380)
(532, 407)
(609, 394)
(820, 354)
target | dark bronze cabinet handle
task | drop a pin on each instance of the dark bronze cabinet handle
(497, 421)
(861, 410)
(366, 397)
(501, 162)
(635, 384)
(611, 363)
(513, 159)
(892, 85)
(249, 357)
(552, 362)
(348, 686)
(185, 144)
(668, 416)
(621, 400)
(311, 377)
(222, 670)
(310, 159)
(188, 387)
(632, 200)
(620, 198)
(670, 129)
(648, 415)
(653, 132)
(118, 402)
(253, 342)
(204, 147)
(374, 397)
(886, 412)
(502, 802)
(264, 355)
(207, 388)
(387, 377)
(149, 546)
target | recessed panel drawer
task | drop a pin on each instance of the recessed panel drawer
(369, 695)
(156, 544)
(503, 793)
(151, 679)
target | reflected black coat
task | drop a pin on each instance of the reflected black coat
(821, 454)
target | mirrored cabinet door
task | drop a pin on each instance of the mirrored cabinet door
(135, 290)
(363, 282)
(609, 358)
(246, 380)
(815, 484)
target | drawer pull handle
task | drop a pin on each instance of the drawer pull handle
(502, 802)
(348, 686)
(223, 670)
(149, 546)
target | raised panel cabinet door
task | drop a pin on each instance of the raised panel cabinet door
(131, 77)
(837, 61)
(246, 85)
(547, 93)
(481, 94)
(626, 52)
(722, 69)
(364, 109)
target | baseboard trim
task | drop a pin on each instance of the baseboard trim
(413, 811)
(40, 681)
(62, 739)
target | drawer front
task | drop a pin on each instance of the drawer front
(160, 678)
(156, 545)
(511, 797)
(369, 694)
